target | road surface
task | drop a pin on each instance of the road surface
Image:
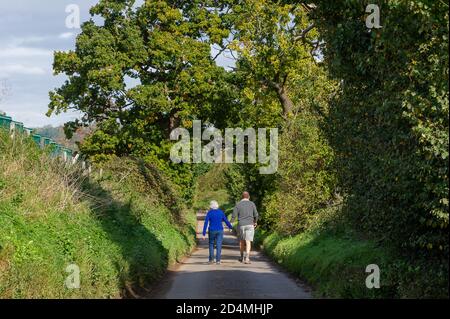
(194, 278)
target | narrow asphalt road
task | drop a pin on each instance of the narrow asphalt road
(194, 278)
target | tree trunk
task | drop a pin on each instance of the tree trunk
(285, 101)
(173, 121)
(284, 98)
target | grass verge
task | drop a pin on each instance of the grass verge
(335, 266)
(121, 230)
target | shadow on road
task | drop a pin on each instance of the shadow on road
(219, 283)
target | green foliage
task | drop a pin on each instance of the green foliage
(273, 56)
(305, 183)
(122, 229)
(283, 86)
(147, 70)
(236, 182)
(246, 177)
(162, 50)
(210, 185)
(388, 124)
(378, 141)
(334, 265)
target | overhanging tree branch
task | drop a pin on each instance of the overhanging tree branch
(302, 35)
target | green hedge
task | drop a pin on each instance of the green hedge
(388, 123)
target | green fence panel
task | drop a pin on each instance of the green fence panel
(5, 121)
(56, 148)
(28, 130)
(59, 149)
(47, 141)
(37, 139)
(18, 126)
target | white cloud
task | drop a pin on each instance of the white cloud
(11, 69)
(66, 35)
(30, 32)
(17, 52)
(20, 41)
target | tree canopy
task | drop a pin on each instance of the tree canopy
(143, 72)
(363, 112)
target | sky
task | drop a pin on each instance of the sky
(30, 31)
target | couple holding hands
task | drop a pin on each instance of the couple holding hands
(247, 216)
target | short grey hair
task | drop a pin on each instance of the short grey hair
(214, 204)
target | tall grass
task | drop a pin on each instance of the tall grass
(51, 215)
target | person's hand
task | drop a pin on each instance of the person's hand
(255, 225)
(203, 237)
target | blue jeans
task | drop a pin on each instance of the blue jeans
(217, 237)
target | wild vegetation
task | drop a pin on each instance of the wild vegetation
(362, 115)
(374, 146)
(121, 229)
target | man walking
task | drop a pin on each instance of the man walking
(247, 217)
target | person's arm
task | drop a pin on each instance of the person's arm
(234, 215)
(225, 219)
(205, 225)
(255, 214)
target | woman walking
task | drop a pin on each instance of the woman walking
(214, 219)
